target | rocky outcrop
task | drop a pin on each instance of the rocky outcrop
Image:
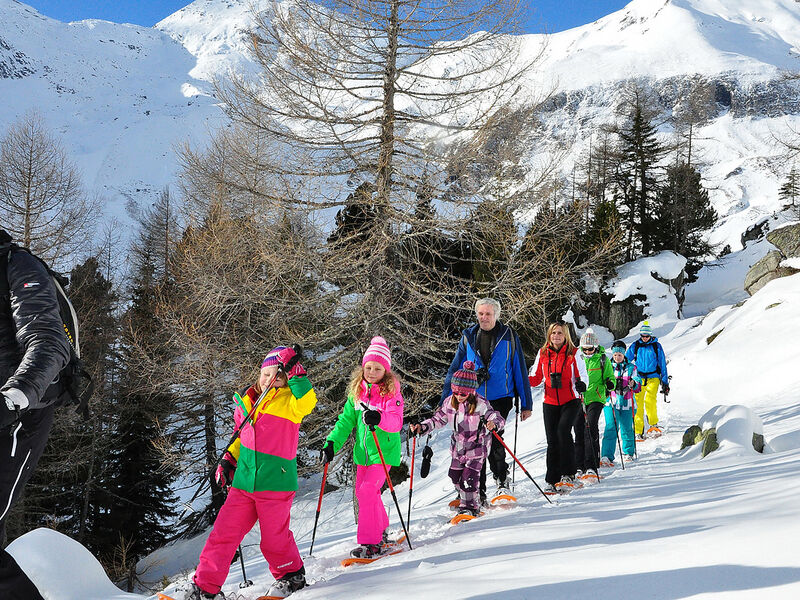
(787, 240)
(13, 63)
(622, 316)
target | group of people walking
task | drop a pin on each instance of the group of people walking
(487, 377)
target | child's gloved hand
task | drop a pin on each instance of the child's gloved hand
(580, 386)
(225, 470)
(417, 428)
(372, 417)
(609, 385)
(326, 454)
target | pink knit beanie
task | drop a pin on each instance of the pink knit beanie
(379, 352)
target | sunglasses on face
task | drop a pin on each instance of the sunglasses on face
(645, 337)
(588, 350)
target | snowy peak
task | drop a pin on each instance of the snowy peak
(215, 32)
(758, 38)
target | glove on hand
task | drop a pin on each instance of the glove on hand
(580, 386)
(665, 388)
(14, 400)
(326, 454)
(609, 385)
(225, 470)
(372, 417)
(285, 357)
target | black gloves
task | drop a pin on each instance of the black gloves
(609, 385)
(427, 455)
(372, 417)
(665, 388)
(326, 454)
(580, 386)
(483, 375)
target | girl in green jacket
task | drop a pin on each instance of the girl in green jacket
(373, 400)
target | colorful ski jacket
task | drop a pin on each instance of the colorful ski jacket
(628, 384)
(364, 450)
(598, 365)
(506, 368)
(649, 359)
(549, 360)
(470, 439)
(266, 451)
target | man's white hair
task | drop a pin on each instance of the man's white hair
(490, 302)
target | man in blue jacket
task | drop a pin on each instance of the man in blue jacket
(502, 376)
(651, 364)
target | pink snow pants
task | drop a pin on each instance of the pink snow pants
(372, 517)
(236, 517)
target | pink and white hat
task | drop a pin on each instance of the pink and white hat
(379, 352)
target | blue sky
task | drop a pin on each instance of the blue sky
(548, 15)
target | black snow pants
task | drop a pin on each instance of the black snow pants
(587, 442)
(558, 422)
(497, 454)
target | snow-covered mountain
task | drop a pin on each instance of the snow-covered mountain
(119, 95)
(124, 96)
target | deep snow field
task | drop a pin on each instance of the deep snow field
(670, 525)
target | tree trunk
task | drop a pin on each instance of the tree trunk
(384, 178)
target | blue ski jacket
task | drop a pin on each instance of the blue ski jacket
(508, 373)
(649, 359)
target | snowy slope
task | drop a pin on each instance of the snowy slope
(119, 95)
(670, 525)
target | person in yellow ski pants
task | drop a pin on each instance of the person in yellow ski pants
(646, 401)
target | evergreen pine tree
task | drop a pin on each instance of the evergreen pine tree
(789, 191)
(683, 215)
(635, 174)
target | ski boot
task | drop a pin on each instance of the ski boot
(288, 584)
(606, 462)
(197, 593)
(367, 551)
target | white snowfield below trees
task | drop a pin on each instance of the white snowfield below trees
(696, 520)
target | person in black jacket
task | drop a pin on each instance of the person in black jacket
(33, 350)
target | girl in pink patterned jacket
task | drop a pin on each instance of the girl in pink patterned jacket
(472, 419)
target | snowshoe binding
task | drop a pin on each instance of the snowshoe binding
(654, 431)
(465, 514)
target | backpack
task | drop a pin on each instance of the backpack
(74, 383)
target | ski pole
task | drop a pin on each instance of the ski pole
(521, 466)
(411, 479)
(246, 582)
(389, 480)
(319, 507)
(663, 391)
(516, 428)
(619, 442)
